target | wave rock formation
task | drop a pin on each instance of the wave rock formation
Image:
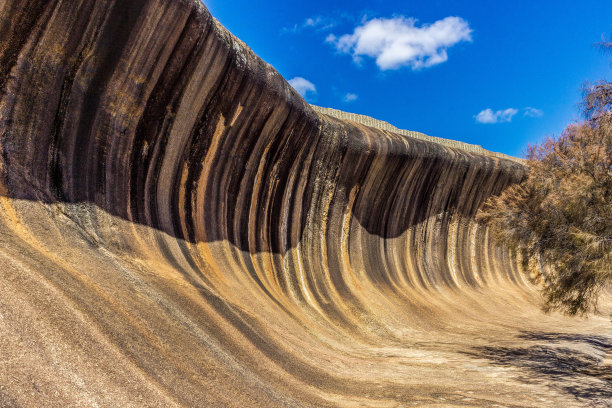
(179, 228)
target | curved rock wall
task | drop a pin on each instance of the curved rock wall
(379, 124)
(180, 228)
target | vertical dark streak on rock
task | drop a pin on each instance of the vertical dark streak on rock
(158, 116)
(113, 38)
(55, 183)
(24, 17)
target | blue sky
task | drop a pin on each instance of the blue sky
(500, 74)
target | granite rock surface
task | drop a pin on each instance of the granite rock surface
(178, 227)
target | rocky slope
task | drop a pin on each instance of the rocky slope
(179, 228)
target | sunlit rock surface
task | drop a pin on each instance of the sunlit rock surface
(179, 228)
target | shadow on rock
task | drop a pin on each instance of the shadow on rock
(567, 362)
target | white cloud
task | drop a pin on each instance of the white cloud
(312, 22)
(533, 112)
(500, 116)
(397, 42)
(302, 86)
(350, 97)
(331, 38)
(319, 23)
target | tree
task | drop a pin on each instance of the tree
(560, 217)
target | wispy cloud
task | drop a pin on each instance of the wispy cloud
(533, 112)
(303, 86)
(397, 42)
(320, 23)
(489, 116)
(350, 97)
